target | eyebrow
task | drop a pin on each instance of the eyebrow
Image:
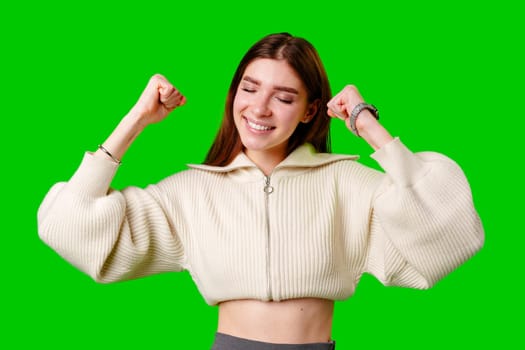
(276, 87)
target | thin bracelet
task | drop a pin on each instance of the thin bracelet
(100, 147)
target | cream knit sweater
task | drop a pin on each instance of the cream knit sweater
(311, 229)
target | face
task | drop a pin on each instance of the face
(270, 102)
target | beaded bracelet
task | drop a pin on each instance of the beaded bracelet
(100, 147)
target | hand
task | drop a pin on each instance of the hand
(158, 99)
(341, 106)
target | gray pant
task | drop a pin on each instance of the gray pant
(228, 342)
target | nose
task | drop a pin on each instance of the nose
(261, 106)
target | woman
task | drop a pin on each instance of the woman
(272, 228)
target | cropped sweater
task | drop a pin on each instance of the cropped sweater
(310, 229)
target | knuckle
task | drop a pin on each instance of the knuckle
(157, 77)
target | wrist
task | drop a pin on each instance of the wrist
(369, 128)
(374, 133)
(366, 121)
(121, 138)
(135, 121)
(357, 111)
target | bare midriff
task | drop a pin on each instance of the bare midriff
(294, 321)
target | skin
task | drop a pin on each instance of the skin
(269, 104)
(270, 95)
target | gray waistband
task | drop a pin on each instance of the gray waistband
(229, 342)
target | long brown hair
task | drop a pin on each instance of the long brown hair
(304, 59)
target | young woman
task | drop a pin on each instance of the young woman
(272, 228)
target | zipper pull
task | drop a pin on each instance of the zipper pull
(267, 187)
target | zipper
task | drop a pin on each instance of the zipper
(268, 189)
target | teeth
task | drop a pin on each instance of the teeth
(258, 127)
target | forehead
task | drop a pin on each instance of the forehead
(273, 73)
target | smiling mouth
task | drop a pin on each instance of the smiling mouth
(258, 127)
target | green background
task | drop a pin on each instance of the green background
(447, 76)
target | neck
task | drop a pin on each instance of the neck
(265, 161)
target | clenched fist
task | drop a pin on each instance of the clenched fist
(341, 106)
(158, 99)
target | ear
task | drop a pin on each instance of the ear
(311, 111)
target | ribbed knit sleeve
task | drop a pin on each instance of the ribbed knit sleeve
(423, 222)
(110, 235)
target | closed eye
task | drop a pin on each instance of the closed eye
(286, 101)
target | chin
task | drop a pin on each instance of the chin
(255, 146)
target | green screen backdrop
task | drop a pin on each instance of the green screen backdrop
(447, 76)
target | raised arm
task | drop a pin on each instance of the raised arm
(158, 99)
(115, 235)
(422, 221)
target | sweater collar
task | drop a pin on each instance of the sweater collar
(304, 156)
